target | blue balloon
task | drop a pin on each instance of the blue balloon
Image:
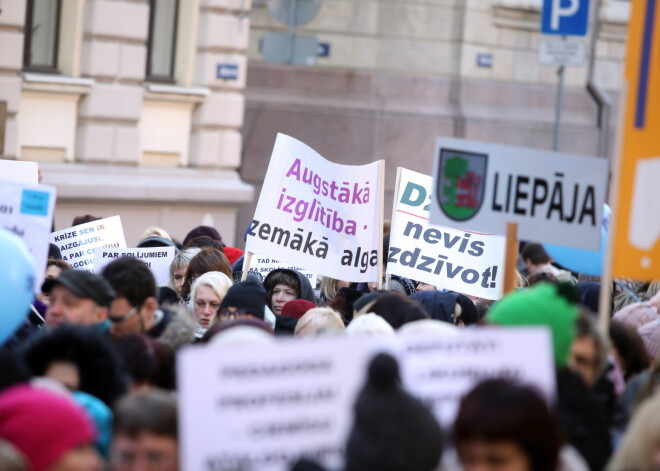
(16, 283)
(587, 262)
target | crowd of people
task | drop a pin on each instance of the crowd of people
(88, 381)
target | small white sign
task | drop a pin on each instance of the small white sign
(158, 259)
(559, 52)
(27, 211)
(77, 243)
(265, 265)
(20, 171)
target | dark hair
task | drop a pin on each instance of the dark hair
(206, 241)
(630, 347)
(541, 276)
(397, 309)
(154, 412)
(535, 253)
(281, 277)
(78, 220)
(99, 366)
(58, 263)
(208, 259)
(141, 357)
(131, 279)
(502, 410)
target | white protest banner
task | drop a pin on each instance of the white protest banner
(77, 243)
(322, 216)
(262, 407)
(158, 259)
(265, 265)
(554, 198)
(27, 211)
(462, 261)
(440, 369)
(20, 171)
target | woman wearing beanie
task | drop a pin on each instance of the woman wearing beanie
(50, 431)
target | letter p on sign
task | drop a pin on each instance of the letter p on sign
(565, 17)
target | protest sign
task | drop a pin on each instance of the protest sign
(20, 171)
(77, 243)
(158, 259)
(27, 211)
(265, 265)
(554, 198)
(262, 407)
(324, 217)
(462, 261)
(440, 369)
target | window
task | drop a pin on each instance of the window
(42, 25)
(162, 40)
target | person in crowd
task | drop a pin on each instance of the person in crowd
(421, 286)
(144, 362)
(54, 268)
(135, 309)
(51, 432)
(243, 299)
(284, 285)
(640, 449)
(344, 302)
(78, 297)
(588, 354)
(396, 309)
(369, 325)
(317, 320)
(79, 358)
(206, 296)
(243, 331)
(205, 241)
(328, 290)
(145, 433)
(537, 259)
(541, 276)
(201, 231)
(448, 306)
(78, 220)
(553, 306)
(502, 425)
(155, 232)
(179, 266)
(208, 259)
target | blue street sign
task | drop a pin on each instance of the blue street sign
(565, 17)
(227, 71)
(324, 49)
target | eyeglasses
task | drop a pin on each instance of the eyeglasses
(226, 314)
(125, 317)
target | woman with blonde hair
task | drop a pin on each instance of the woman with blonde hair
(328, 290)
(640, 450)
(206, 295)
(318, 320)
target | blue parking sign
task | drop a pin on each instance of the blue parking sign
(565, 17)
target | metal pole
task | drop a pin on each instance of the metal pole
(293, 13)
(559, 104)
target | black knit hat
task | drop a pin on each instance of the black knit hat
(393, 431)
(248, 296)
(83, 285)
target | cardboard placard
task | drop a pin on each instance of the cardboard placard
(77, 243)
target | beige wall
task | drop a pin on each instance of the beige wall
(105, 135)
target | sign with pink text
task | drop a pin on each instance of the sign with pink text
(322, 216)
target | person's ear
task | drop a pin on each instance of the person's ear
(149, 308)
(102, 314)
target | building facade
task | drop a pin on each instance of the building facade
(132, 107)
(399, 73)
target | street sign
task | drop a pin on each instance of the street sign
(227, 71)
(560, 52)
(636, 225)
(565, 17)
(554, 198)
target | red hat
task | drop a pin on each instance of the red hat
(233, 254)
(297, 308)
(42, 425)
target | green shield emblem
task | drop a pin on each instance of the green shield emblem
(460, 183)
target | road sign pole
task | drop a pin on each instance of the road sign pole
(558, 106)
(293, 12)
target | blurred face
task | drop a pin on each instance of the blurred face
(125, 319)
(424, 287)
(146, 452)
(179, 277)
(83, 458)
(584, 359)
(480, 455)
(282, 294)
(65, 307)
(64, 373)
(206, 306)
